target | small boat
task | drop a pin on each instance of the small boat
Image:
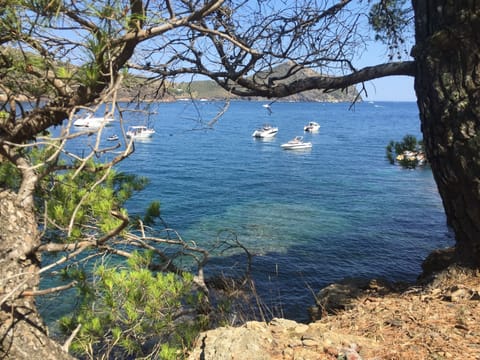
(266, 131)
(113, 137)
(139, 132)
(312, 127)
(297, 143)
(91, 121)
(412, 156)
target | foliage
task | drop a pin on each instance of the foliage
(391, 20)
(153, 211)
(70, 199)
(9, 175)
(76, 204)
(135, 312)
(409, 143)
(15, 69)
(409, 152)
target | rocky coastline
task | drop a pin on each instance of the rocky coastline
(438, 317)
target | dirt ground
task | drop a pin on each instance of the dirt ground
(439, 320)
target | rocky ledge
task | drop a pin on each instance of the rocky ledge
(435, 319)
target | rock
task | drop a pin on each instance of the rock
(437, 260)
(284, 324)
(403, 325)
(242, 343)
(342, 295)
(279, 339)
(338, 296)
(301, 328)
(307, 341)
(349, 353)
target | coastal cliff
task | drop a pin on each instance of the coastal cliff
(434, 319)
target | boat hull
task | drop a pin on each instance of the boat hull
(303, 146)
(297, 144)
(264, 135)
(141, 136)
(266, 132)
(139, 132)
(92, 122)
(312, 127)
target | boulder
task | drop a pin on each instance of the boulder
(279, 339)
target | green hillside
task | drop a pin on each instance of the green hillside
(199, 89)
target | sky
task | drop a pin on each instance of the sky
(393, 88)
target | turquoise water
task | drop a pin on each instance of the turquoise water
(310, 217)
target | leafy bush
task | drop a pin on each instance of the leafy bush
(135, 312)
(75, 197)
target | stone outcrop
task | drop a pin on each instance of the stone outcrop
(372, 320)
(344, 294)
(279, 339)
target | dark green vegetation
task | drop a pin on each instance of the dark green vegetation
(409, 152)
(129, 310)
(390, 19)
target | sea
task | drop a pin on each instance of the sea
(308, 218)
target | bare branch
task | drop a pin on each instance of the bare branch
(68, 342)
(323, 82)
(48, 291)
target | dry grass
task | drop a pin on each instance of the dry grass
(439, 321)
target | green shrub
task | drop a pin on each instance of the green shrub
(136, 312)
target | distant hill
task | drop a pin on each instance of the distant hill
(210, 90)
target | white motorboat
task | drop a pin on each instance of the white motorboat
(91, 121)
(312, 127)
(413, 156)
(113, 137)
(139, 132)
(266, 131)
(297, 144)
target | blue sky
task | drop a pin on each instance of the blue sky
(394, 88)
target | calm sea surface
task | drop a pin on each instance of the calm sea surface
(309, 217)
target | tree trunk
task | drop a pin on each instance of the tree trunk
(447, 85)
(22, 333)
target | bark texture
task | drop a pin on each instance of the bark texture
(447, 84)
(22, 333)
